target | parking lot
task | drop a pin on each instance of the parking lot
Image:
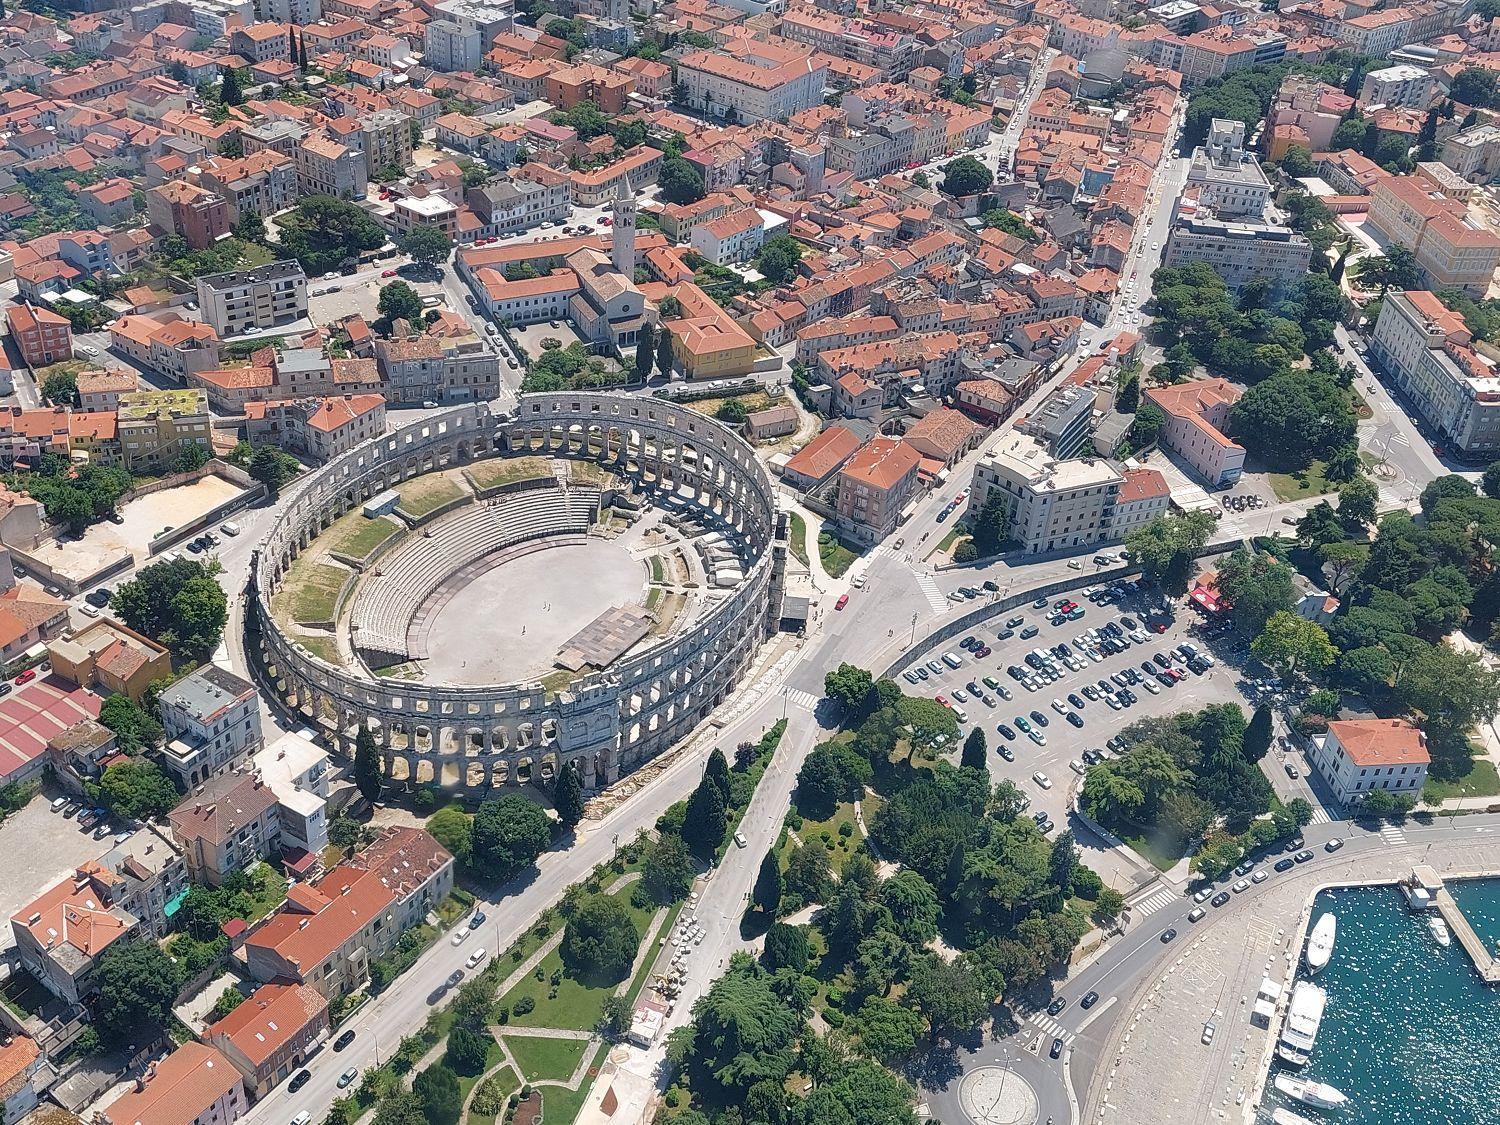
(1017, 757)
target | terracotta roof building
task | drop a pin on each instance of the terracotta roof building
(1359, 756)
(1197, 415)
(270, 1035)
(194, 1085)
(874, 487)
(820, 458)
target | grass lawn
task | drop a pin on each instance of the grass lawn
(756, 400)
(839, 848)
(1143, 847)
(587, 472)
(311, 591)
(547, 1059)
(561, 1104)
(355, 537)
(1297, 486)
(267, 891)
(1480, 781)
(508, 470)
(577, 1005)
(799, 538)
(324, 648)
(952, 538)
(427, 494)
(658, 572)
(836, 557)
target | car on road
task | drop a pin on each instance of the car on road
(461, 935)
(1090, 998)
(1057, 1048)
(1208, 1033)
(1303, 856)
(347, 1078)
(1285, 864)
(343, 1041)
(455, 977)
(477, 956)
(387, 273)
(1042, 780)
(1057, 1005)
(1196, 914)
(1333, 845)
(1168, 935)
(1291, 770)
(302, 1118)
(1260, 876)
(842, 602)
(299, 1080)
(1219, 899)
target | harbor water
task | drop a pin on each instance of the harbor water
(1410, 1033)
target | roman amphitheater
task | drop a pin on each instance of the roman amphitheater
(494, 594)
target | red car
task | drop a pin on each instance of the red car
(387, 273)
(26, 676)
(842, 602)
(943, 699)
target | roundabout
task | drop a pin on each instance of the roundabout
(993, 1095)
(494, 594)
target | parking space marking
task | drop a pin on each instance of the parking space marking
(934, 595)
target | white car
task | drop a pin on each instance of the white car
(1059, 706)
(88, 610)
(1208, 1033)
(1042, 780)
(460, 935)
(477, 956)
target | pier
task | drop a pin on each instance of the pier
(1484, 961)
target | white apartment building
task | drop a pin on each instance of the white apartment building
(1359, 756)
(512, 205)
(298, 772)
(1401, 86)
(246, 300)
(1229, 179)
(1474, 154)
(449, 47)
(1425, 346)
(212, 722)
(1053, 505)
(1239, 252)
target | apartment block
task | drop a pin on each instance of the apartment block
(1051, 505)
(251, 300)
(449, 47)
(1427, 349)
(212, 722)
(328, 167)
(1229, 179)
(317, 428)
(1239, 252)
(1398, 87)
(1474, 153)
(754, 81)
(521, 203)
(874, 488)
(194, 1085)
(60, 936)
(1451, 249)
(271, 1034)
(41, 335)
(226, 824)
(153, 427)
(200, 216)
(1358, 756)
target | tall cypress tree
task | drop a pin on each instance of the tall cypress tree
(367, 773)
(664, 356)
(767, 893)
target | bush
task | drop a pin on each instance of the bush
(524, 1004)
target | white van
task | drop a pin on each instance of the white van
(477, 956)
(960, 714)
(740, 841)
(951, 660)
(59, 804)
(230, 528)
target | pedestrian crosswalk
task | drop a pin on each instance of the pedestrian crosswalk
(799, 698)
(1153, 902)
(1320, 815)
(935, 598)
(1393, 834)
(1044, 1023)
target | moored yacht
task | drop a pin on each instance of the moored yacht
(1303, 1018)
(1309, 1092)
(1320, 943)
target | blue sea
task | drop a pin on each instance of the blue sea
(1410, 1033)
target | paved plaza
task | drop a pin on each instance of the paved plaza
(510, 623)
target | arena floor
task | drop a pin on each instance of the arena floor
(510, 623)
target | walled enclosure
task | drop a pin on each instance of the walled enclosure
(606, 723)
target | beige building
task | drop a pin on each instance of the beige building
(270, 1035)
(326, 167)
(225, 824)
(101, 390)
(1051, 505)
(1451, 249)
(317, 428)
(753, 80)
(1197, 416)
(249, 300)
(1239, 252)
(874, 488)
(60, 936)
(155, 426)
(413, 865)
(194, 1085)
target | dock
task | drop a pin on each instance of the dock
(1484, 961)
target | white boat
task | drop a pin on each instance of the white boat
(1309, 1092)
(1287, 1117)
(1439, 930)
(1320, 943)
(1303, 1018)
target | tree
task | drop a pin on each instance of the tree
(1341, 562)
(948, 994)
(1296, 162)
(887, 1030)
(322, 232)
(1395, 269)
(230, 92)
(667, 869)
(1447, 690)
(664, 357)
(704, 823)
(1258, 734)
(1356, 508)
(1319, 526)
(786, 947)
(733, 413)
(600, 941)
(743, 1033)
(1293, 417)
(716, 770)
(976, 753)
(450, 827)
(1475, 86)
(1291, 644)
(442, 1099)
(189, 457)
(645, 349)
(992, 524)
(272, 468)
(399, 301)
(508, 834)
(778, 258)
(137, 983)
(427, 246)
(1108, 906)
(468, 1050)
(61, 389)
(1165, 548)
(1387, 805)
(1257, 585)
(767, 893)
(400, 1107)
(1491, 480)
(368, 774)
(137, 790)
(809, 875)
(678, 181)
(848, 686)
(134, 729)
(567, 795)
(178, 603)
(966, 176)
